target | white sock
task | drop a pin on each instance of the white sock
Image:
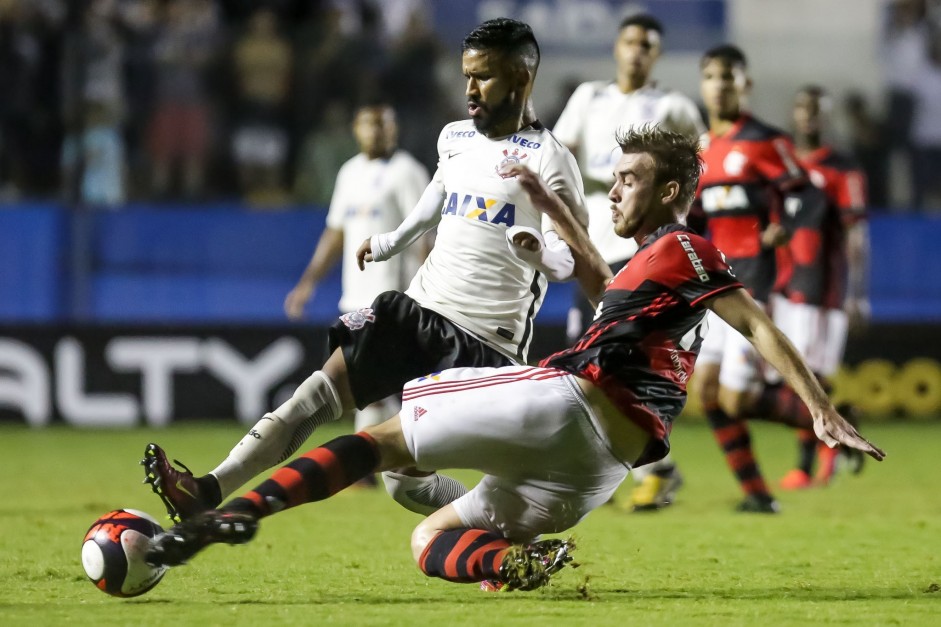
(423, 495)
(280, 433)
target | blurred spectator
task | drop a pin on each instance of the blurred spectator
(96, 155)
(142, 19)
(325, 149)
(868, 144)
(92, 73)
(263, 63)
(410, 78)
(904, 37)
(926, 126)
(17, 59)
(338, 59)
(184, 47)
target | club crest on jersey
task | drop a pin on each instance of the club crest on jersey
(734, 163)
(510, 157)
(356, 320)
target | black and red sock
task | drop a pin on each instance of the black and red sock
(806, 450)
(314, 476)
(779, 403)
(735, 439)
(464, 555)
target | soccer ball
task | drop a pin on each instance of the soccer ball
(113, 553)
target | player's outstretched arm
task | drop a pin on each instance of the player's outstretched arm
(590, 269)
(425, 215)
(738, 309)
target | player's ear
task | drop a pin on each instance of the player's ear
(669, 192)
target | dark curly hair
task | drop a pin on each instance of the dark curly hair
(676, 156)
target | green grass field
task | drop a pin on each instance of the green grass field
(866, 550)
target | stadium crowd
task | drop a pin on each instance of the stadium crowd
(195, 100)
(198, 100)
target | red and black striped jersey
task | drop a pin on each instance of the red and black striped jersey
(815, 260)
(641, 346)
(746, 177)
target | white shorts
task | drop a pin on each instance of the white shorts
(546, 460)
(739, 363)
(818, 334)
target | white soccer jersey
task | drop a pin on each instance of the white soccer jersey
(373, 196)
(471, 277)
(588, 123)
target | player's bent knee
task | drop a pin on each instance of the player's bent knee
(393, 453)
(422, 535)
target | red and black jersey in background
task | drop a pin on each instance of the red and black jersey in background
(750, 179)
(642, 345)
(813, 268)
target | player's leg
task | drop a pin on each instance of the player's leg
(314, 476)
(655, 485)
(375, 351)
(374, 414)
(274, 438)
(727, 389)
(511, 424)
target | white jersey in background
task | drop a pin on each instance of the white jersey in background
(472, 277)
(594, 113)
(374, 196)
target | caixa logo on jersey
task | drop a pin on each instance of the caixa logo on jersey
(121, 381)
(480, 208)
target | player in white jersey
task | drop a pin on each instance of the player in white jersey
(374, 191)
(588, 125)
(471, 304)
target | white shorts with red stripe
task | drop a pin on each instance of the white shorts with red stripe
(546, 459)
(818, 334)
(739, 363)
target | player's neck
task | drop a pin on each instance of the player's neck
(806, 144)
(628, 84)
(722, 123)
(527, 117)
(383, 155)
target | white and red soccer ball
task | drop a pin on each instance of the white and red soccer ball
(113, 553)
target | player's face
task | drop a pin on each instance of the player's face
(636, 50)
(634, 194)
(723, 87)
(376, 131)
(495, 92)
(808, 114)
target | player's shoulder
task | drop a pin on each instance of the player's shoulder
(678, 242)
(589, 90)
(351, 165)
(454, 134)
(405, 160)
(840, 161)
(756, 130)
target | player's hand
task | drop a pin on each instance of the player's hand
(773, 236)
(296, 300)
(531, 183)
(834, 429)
(364, 253)
(527, 241)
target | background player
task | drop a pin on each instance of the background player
(594, 113)
(750, 185)
(555, 441)
(826, 279)
(473, 300)
(374, 192)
